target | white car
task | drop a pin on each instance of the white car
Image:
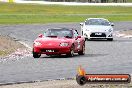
(97, 28)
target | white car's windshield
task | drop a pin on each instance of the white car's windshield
(97, 22)
(58, 33)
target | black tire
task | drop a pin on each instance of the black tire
(71, 53)
(82, 52)
(48, 55)
(81, 80)
(129, 79)
(36, 55)
(110, 39)
(82, 33)
(86, 39)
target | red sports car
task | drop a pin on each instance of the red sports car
(59, 41)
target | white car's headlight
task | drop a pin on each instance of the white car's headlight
(110, 30)
(64, 44)
(37, 43)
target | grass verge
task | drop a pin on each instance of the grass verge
(30, 19)
(11, 13)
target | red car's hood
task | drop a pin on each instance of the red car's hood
(47, 40)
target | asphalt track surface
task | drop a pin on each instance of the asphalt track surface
(101, 56)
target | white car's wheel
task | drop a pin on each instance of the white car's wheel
(87, 39)
(110, 39)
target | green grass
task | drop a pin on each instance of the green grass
(11, 13)
(129, 1)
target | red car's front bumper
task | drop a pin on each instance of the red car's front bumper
(51, 50)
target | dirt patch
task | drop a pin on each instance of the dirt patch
(65, 84)
(8, 45)
(126, 32)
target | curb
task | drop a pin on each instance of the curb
(12, 83)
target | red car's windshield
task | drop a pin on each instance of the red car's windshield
(59, 33)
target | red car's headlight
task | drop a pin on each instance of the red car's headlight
(64, 44)
(37, 43)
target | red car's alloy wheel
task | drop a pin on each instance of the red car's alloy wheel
(71, 53)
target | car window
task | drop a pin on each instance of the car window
(75, 33)
(59, 33)
(97, 22)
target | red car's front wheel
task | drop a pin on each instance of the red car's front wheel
(71, 53)
(82, 52)
(36, 55)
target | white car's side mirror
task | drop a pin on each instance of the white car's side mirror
(112, 24)
(81, 24)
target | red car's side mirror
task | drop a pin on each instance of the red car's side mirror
(40, 36)
(78, 37)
